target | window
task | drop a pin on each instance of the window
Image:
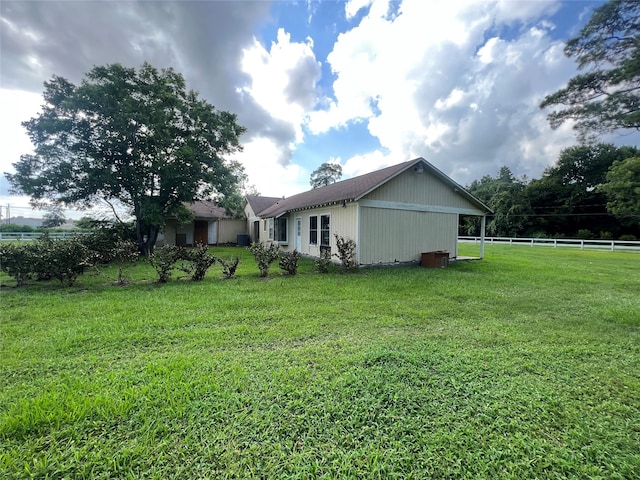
(281, 229)
(264, 225)
(313, 230)
(324, 231)
(271, 229)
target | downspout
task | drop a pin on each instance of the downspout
(358, 233)
(483, 224)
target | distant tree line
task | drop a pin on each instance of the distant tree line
(592, 191)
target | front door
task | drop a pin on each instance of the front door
(200, 232)
(298, 245)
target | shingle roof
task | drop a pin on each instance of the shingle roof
(259, 203)
(207, 209)
(355, 188)
(346, 190)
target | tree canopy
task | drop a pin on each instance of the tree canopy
(569, 199)
(504, 195)
(54, 217)
(325, 174)
(607, 96)
(134, 137)
(623, 189)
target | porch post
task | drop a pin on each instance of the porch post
(483, 224)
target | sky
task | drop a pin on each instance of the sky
(362, 83)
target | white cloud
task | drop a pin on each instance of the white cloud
(17, 106)
(428, 82)
(283, 79)
(271, 178)
(352, 7)
(369, 162)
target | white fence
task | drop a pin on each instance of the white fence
(611, 245)
(28, 236)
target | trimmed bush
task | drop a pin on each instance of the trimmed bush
(124, 253)
(264, 256)
(64, 260)
(346, 253)
(17, 261)
(323, 263)
(229, 266)
(164, 260)
(289, 262)
(199, 261)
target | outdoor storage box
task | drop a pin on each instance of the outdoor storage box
(437, 259)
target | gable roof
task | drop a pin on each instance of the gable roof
(259, 203)
(355, 188)
(207, 209)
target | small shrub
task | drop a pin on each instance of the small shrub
(264, 256)
(199, 262)
(289, 262)
(17, 261)
(124, 252)
(229, 266)
(346, 253)
(322, 264)
(606, 235)
(585, 234)
(164, 260)
(64, 260)
(103, 239)
(43, 248)
(628, 238)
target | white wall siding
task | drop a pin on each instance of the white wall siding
(170, 233)
(343, 222)
(421, 189)
(401, 236)
(228, 230)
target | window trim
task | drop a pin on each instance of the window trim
(278, 230)
(328, 230)
(313, 230)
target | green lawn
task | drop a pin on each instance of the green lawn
(525, 365)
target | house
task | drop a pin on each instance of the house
(211, 226)
(254, 205)
(394, 215)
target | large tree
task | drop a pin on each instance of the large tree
(135, 137)
(567, 198)
(606, 97)
(623, 190)
(504, 195)
(325, 174)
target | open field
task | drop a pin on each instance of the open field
(524, 365)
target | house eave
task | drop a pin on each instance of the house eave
(312, 207)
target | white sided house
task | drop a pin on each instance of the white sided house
(210, 226)
(254, 205)
(394, 215)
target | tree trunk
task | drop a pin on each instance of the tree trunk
(152, 237)
(139, 231)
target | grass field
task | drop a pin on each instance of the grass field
(525, 365)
